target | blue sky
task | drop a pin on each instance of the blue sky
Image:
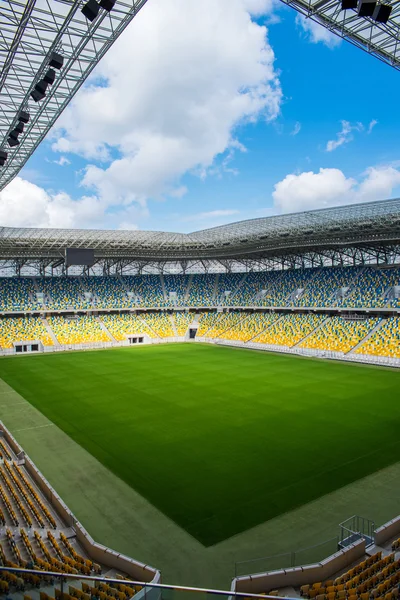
(235, 111)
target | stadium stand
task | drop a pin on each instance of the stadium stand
(202, 290)
(147, 291)
(62, 293)
(36, 534)
(339, 334)
(325, 287)
(107, 292)
(350, 287)
(284, 290)
(329, 287)
(176, 284)
(182, 321)
(223, 322)
(371, 287)
(206, 321)
(227, 286)
(248, 291)
(18, 293)
(290, 329)
(18, 329)
(375, 577)
(78, 330)
(160, 323)
(385, 341)
(250, 326)
(120, 326)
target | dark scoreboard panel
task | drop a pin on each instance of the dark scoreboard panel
(79, 256)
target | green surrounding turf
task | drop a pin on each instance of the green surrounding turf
(219, 439)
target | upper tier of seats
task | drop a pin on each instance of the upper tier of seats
(348, 287)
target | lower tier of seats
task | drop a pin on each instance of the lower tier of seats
(373, 336)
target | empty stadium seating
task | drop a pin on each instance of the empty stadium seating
(339, 334)
(371, 287)
(290, 329)
(63, 293)
(18, 293)
(202, 290)
(182, 321)
(324, 287)
(120, 326)
(79, 330)
(351, 287)
(159, 323)
(175, 289)
(107, 292)
(35, 536)
(250, 326)
(147, 291)
(223, 322)
(385, 341)
(376, 578)
(18, 329)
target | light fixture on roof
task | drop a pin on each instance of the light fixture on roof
(13, 142)
(39, 91)
(347, 4)
(23, 117)
(365, 8)
(56, 60)
(50, 76)
(90, 10)
(108, 5)
(3, 157)
(19, 128)
(381, 13)
(14, 134)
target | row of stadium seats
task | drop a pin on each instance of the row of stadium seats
(373, 578)
(385, 341)
(250, 326)
(290, 329)
(26, 329)
(312, 330)
(80, 330)
(339, 335)
(352, 287)
(120, 326)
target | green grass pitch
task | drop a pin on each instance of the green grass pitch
(219, 439)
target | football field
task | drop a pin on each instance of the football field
(219, 439)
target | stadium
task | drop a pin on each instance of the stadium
(212, 412)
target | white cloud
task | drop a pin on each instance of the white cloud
(63, 160)
(372, 125)
(344, 136)
(25, 204)
(330, 187)
(316, 33)
(296, 128)
(172, 90)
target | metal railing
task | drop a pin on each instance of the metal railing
(66, 583)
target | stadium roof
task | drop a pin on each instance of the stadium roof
(374, 224)
(30, 31)
(379, 39)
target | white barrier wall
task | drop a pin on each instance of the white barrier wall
(297, 576)
(388, 531)
(327, 354)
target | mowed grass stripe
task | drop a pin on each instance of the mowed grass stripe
(219, 439)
